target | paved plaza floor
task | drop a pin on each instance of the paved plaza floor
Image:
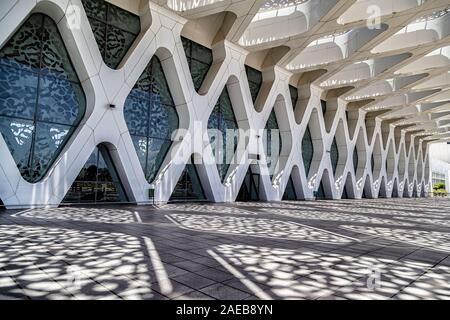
(346, 249)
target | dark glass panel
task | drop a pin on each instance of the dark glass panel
(150, 119)
(294, 95)
(201, 53)
(199, 59)
(307, 150)
(37, 58)
(372, 163)
(255, 81)
(250, 187)
(157, 152)
(222, 119)
(98, 181)
(97, 9)
(273, 149)
(140, 144)
(289, 193)
(18, 135)
(49, 138)
(199, 70)
(136, 115)
(124, 20)
(89, 171)
(355, 159)
(60, 101)
(321, 192)
(23, 50)
(55, 59)
(323, 105)
(117, 44)
(188, 187)
(18, 92)
(99, 30)
(115, 29)
(160, 87)
(334, 154)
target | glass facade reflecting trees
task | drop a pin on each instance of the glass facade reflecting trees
(151, 118)
(223, 128)
(334, 154)
(273, 143)
(115, 29)
(98, 181)
(255, 80)
(307, 150)
(41, 98)
(199, 59)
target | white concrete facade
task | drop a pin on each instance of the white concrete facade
(392, 114)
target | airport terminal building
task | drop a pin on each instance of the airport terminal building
(220, 100)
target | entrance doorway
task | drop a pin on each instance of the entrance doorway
(250, 187)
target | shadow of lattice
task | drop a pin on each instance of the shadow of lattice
(266, 228)
(275, 273)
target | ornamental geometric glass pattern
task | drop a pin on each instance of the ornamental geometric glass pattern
(222, 125)
(114, 29)
(151, 118)
(199, 59)
(41, 99)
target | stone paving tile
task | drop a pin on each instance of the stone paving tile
(194, 281)
(120, 258)
(221, 291)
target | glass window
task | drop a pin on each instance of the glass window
(115, 29)
(199, 59)
(273, 142)
(355, 159)
(41, 98)
(294, 95)
(289, 193)
(255, 80)
(334, 154)
(307, 150)
(188, 187)
(151, 118)
(323, 105)
(223, 122)
(98, 181)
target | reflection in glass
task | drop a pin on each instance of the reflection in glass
(307, 150)
(41, 98)
(255, 80)
(98, 181)
(273, 143)
(189, 187)
(115, 29)
(222, 125)
(199, 59)
(151, 118)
